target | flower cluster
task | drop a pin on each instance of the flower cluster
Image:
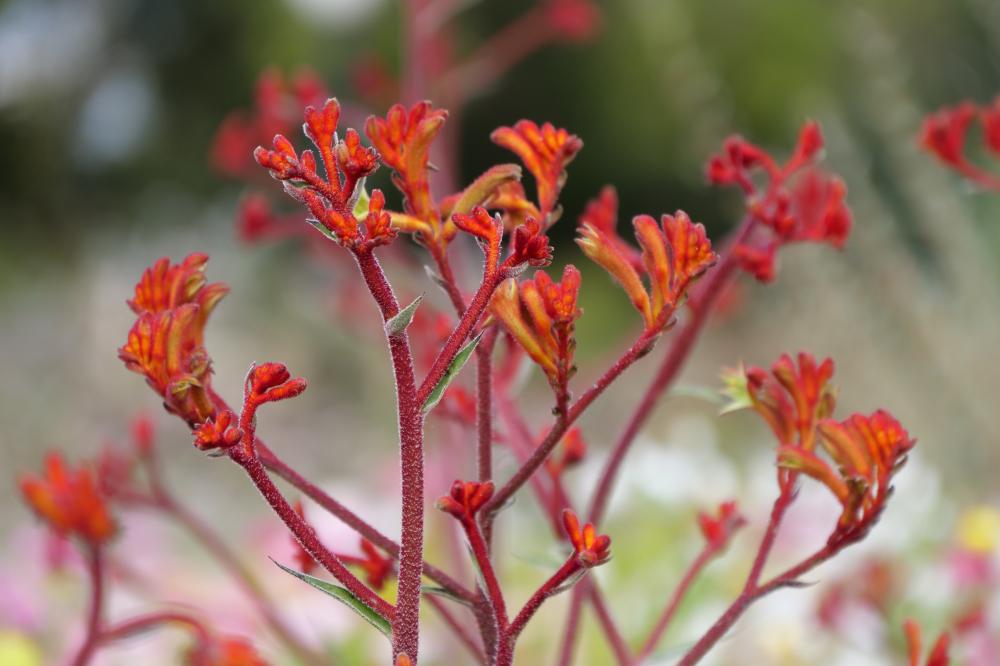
(796, 401)
(465, 499)
(70, 501)
(166, 343)
(798, 203)
(719, 528)
(675, 252)
(541, 314)
(944, 135)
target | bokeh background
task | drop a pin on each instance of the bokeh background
(108, 109)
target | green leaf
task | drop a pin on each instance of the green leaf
(396, 325)
(698, 392)
(442, 592)
(345, 597)
(323, 230)
(453, 369)
(360, 208)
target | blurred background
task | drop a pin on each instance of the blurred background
(109, 111)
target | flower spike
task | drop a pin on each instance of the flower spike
(591, 548)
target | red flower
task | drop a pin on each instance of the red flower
(541, 315)
(403, 140)
(69, 501)
(943, 133)
(545, 151)
(591, 549)
(800, 203)
(674, 254)
(465, 499)
(574, 20)
(793, 399)
(220, 433)
(718, 529)
(376, 566)
(271, 382)
(165, 343)
(990, 116)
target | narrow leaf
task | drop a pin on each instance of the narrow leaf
(346, 597)
(453, 369)
(361, 199)
(396, 325)
(323, 230)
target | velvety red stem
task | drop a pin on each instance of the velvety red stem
(566, 418)
(95, 569)
(353, 520)
(548, 588)
(143, 623)
(232, 564)
(751, 590)
(406, 624)
(492, 586)
(306, 536)
(460, 334)
(708, 552)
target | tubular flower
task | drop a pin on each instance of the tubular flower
(346, 164)
(220, 433)
(166, 342)
(793, 399)
(403, 139)
(572, 451)
(674, 254)
(541, 315)
(938, 655)
(800, 203)
(69, 501)
(271, 382)
(591, 549)
(376, 566)
(718, 529)
(867, 451)
(465, 499)
(545, 151)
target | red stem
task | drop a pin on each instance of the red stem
(406, 624)
(708, 552)
(95, 569)
(355, 522)
(493, 592)
(751, 590)
(306, 536)
(548, 588)
(566, 418)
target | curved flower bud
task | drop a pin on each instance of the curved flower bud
(719, 528)
(465, 499)
(545, 151)
(793, 398)
(592, 549)
(271, 382)
(943, 133)
(219, 433)
(529, 246)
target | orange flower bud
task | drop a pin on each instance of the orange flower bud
(465, 498)
(591, 548)
(69, 501)
(545, 151)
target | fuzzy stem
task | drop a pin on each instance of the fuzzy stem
(751, 590)
(354, 521)
(566, 417)
(548, 588)
(232, 564)
(707, 553)
(406, 624)
(95, 569)
(306, 536)
(494, 594)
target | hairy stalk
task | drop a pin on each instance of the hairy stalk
(406, 623)
(707, 553)
(95, 569)
(306, 536)
(491, 585)
(548, 588)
